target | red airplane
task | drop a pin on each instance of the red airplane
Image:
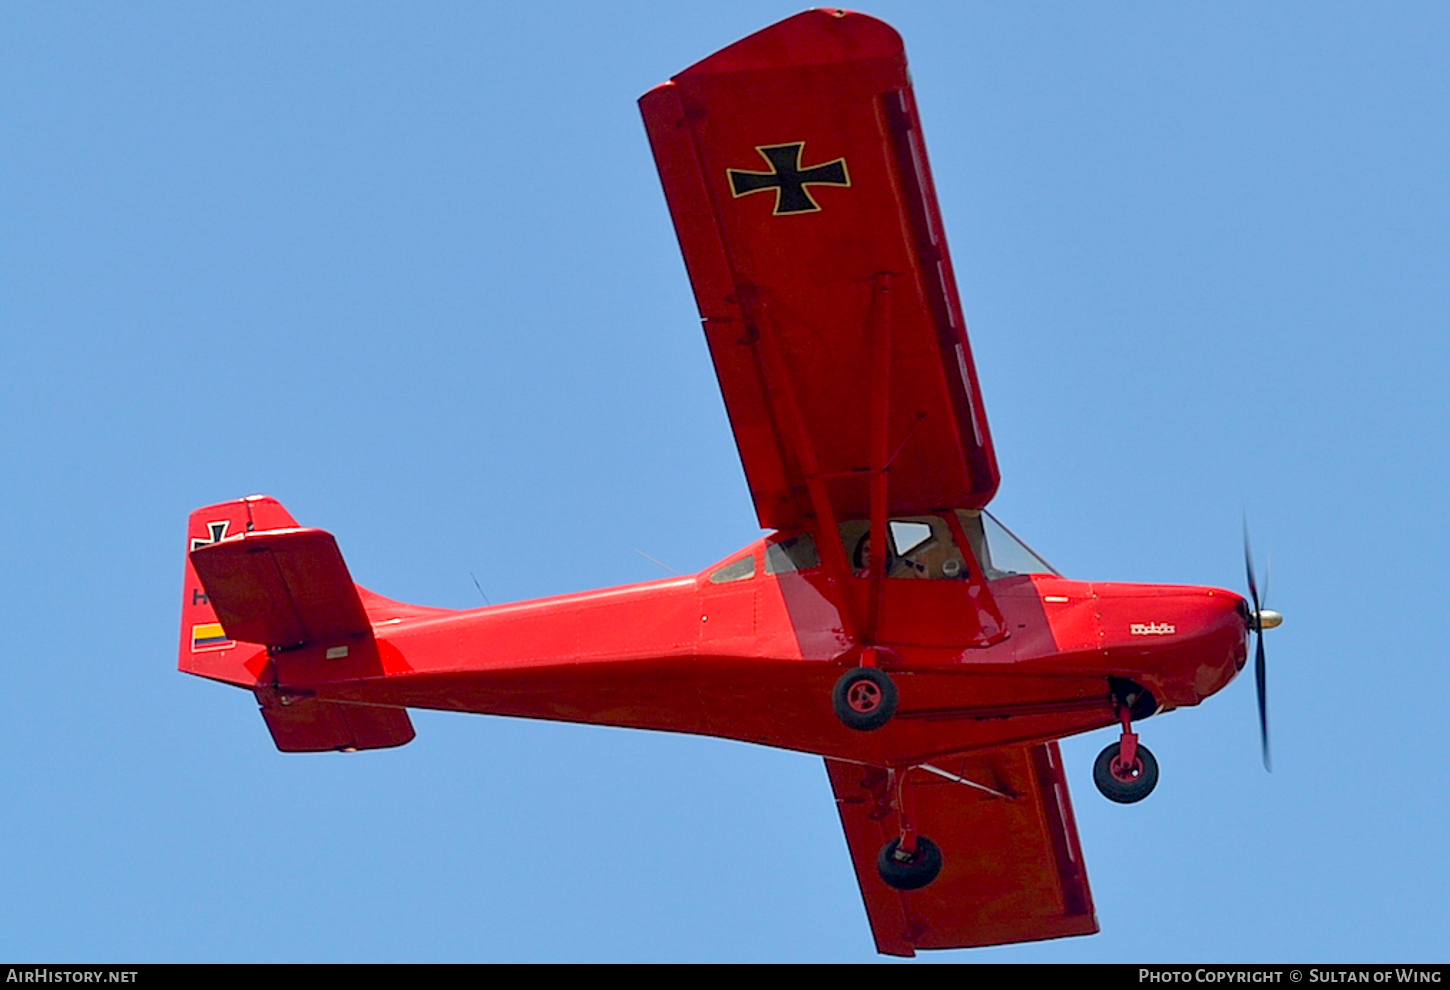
(887, 623)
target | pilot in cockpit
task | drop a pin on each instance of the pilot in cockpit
(918, 547)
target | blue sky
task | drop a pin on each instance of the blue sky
(408, 268)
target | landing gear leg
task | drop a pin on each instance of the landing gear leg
(1126, 771)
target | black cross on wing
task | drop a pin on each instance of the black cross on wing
(788, 179)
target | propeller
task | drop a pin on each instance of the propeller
(1259, 620)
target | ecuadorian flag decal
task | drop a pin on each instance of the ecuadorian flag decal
(209, 636)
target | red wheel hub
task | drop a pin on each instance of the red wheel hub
(864, 697)
(1126, 772)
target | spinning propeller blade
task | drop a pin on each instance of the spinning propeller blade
(1259, 620)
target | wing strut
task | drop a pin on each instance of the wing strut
(861, 627)
(879, 332)
(828, 538)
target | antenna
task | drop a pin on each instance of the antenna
(480, 588)
(658, 563)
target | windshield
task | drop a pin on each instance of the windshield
(926, 547)
(998, 548)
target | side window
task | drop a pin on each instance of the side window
(927, 550)
(919, 547)
(795, 554)
(908, 535)
(736, 570)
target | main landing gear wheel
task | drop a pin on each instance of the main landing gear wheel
(864, 698)
(1125, 784)
(909, 872)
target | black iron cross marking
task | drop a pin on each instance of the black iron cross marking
(218, 532)
(788, 179)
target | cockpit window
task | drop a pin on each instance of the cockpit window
(736, 570)
(925, 547)
(795, 554)
(908, 535)
(1002, 554)
(918, 547)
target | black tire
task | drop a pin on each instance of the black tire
(911, 874)
(864, 698)
(1115, 788)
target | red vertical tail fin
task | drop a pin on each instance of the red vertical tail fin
(206, 650)
(268, 604)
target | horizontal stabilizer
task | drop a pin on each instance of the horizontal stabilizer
(281, 587)
(308, 725)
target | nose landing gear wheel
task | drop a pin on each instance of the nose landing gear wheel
(1125, 784)
(910, 872)
(864, 698)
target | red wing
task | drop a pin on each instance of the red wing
(797, 178)
(1012, 867)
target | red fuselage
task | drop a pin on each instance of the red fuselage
(755, 660)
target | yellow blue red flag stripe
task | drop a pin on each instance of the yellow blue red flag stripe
(208, 636)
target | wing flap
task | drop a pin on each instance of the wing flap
(1013, 868)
